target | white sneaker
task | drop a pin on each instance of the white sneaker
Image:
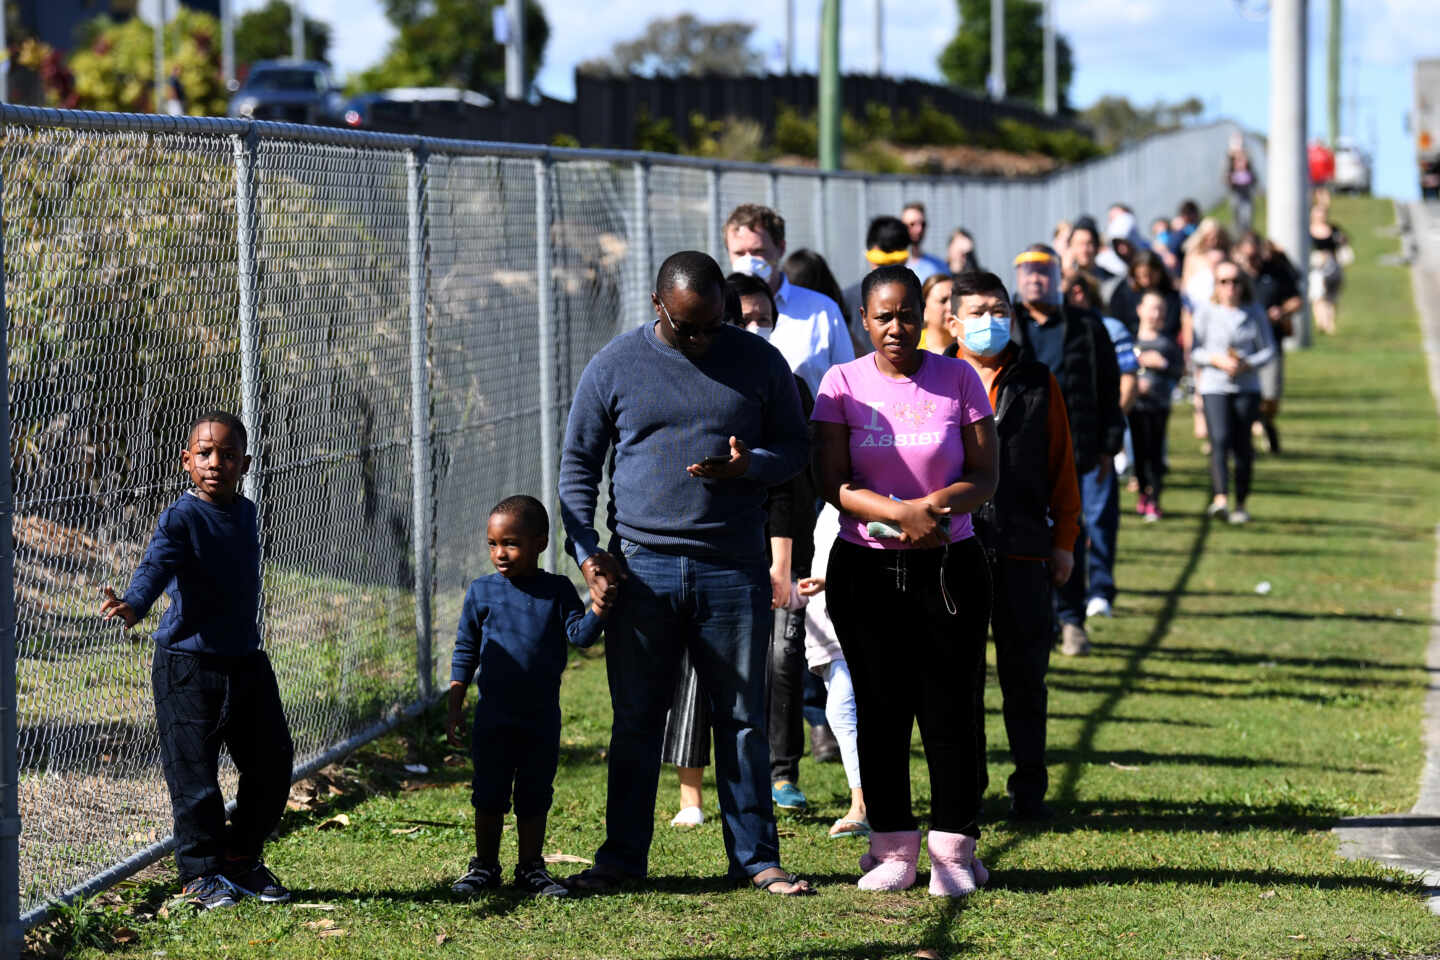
(1239, 516)
(689, 817)
(1074, 642)
(1099, 607)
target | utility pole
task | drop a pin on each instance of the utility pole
(297, 31)
(1052, 86)
(997, 49)
(830, 106)
(159, 94)
(879, 37)
(789, 36)
(1288, 175)
(515, 51)
(227, 44)
(4, 57)
(1332, 98)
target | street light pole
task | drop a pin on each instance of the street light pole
(1288, 175)
(879, 37)
(227, 44)
(159, 93)
(997, 49)
(297, 31)
(1052, 96)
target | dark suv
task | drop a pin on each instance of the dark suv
(294, 91)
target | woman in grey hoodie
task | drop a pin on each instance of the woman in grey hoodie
(1232, 342)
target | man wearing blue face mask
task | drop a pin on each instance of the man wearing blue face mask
(1027, 528)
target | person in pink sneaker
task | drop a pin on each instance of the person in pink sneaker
(905, 450)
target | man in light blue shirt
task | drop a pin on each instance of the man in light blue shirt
(921, 264)
(809, 330)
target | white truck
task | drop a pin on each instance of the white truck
(1425, 124)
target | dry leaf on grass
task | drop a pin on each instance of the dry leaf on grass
(124, 935)
(335, 822)
(558, 857)
(337, 932)
(312, 906)
(1121, 766)
(440, 938)
(324, 923)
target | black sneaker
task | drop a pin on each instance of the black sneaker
(479, 876)
(534, 878)
(252, 878)
(209, 892)
(1030, 811)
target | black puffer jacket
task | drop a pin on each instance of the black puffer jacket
(1089, 377)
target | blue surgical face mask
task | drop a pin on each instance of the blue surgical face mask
(986, 334)
(754, 266)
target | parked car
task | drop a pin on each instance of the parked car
(293, 91)
(438, 111)
(1352, 168)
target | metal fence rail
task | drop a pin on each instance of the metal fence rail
(401, 322)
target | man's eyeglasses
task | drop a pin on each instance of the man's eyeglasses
(1226, 281)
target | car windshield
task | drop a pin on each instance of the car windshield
(308, 81)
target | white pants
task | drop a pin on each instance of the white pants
(840, 713)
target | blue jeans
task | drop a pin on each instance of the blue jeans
(720, 611)
(1094, 573)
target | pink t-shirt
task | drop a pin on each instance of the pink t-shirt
(905, 435)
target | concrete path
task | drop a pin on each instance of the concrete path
(1411, 841)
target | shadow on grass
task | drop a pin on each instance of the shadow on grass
(1044, 881)
(1232, 658)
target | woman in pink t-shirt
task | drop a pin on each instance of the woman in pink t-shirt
(906, 441)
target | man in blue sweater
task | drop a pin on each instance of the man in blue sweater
(701, 418)
(213, 683)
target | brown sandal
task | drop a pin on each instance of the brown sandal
(764, 886)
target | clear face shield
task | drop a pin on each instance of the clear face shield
(1037, 279)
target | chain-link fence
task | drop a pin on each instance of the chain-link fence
(401, 323)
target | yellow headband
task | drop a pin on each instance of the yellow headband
(1034, 256)
(880, 258)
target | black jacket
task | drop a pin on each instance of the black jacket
(1089, 377)
(1013, 521)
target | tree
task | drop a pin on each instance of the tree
(264, 34)
(114, 69)
(451, 43)
(682, 46)
(1116, 120)
(965, 61)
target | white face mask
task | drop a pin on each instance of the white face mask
(754, 266)
(762, 332)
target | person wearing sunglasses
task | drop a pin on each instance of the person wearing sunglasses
(1232, 342)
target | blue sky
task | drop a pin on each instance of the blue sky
(1144, 49)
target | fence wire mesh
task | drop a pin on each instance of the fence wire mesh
(129, 277)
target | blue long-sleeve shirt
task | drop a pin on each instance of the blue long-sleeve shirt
(660, 411)
(206, 558)
(512, 638)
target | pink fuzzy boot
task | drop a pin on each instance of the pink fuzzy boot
(955, 871)
(891, 860)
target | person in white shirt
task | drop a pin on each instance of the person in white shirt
(810, 331)
(923, 265)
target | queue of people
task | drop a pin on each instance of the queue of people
(816, 493)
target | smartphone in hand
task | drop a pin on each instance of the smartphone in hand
(715, 461)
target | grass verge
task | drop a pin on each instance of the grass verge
(1200, 756)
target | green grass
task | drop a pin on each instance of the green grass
(1201, 755)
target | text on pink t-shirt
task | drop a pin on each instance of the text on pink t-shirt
(905, 435)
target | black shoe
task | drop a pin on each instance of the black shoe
(824, 748)
(252, 878)
(479, 876)
(534, 878)
(209, 892)
(1030, 811)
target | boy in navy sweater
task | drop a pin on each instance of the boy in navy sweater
(514, 627)
(213, 684)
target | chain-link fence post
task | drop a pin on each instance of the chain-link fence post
(11, 932)
(713, 240)
(641, 241)
(822, 239)
(247, 278)
(422, 489)
(549, 402)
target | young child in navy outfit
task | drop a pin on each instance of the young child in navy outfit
(512, 638)
(213, 684)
